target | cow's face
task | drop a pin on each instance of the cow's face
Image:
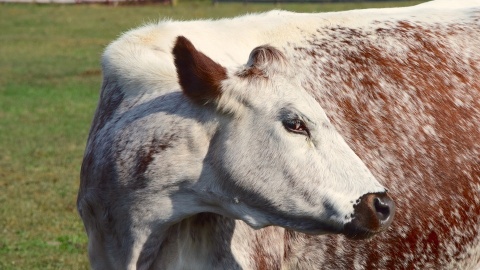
(276, 157)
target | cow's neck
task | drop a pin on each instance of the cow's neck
(197, 242)
(204, 241)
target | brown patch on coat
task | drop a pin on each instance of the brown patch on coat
(263, 255)
(146, 157)
(437, 217)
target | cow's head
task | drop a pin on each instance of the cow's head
(275, 158)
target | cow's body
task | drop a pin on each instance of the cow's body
(401, 85)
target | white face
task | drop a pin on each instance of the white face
(275, 159)
(282, 161)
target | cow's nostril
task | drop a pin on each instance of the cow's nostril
(373, 213)
(383, 207)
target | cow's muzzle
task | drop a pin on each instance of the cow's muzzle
(373, 214)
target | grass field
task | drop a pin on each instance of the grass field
(49, 81)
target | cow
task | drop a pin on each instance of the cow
(196, 160)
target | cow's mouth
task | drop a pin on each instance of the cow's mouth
(354, 232)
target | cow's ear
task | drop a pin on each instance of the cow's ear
(199, 76)
(263, 61)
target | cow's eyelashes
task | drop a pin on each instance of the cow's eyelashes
(296, 126)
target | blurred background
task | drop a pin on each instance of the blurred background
(49, 84)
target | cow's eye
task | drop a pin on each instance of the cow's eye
(296, 126)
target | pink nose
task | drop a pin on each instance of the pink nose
(373, 214)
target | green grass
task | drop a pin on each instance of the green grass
(49, 82)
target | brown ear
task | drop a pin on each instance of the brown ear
(199, 76)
